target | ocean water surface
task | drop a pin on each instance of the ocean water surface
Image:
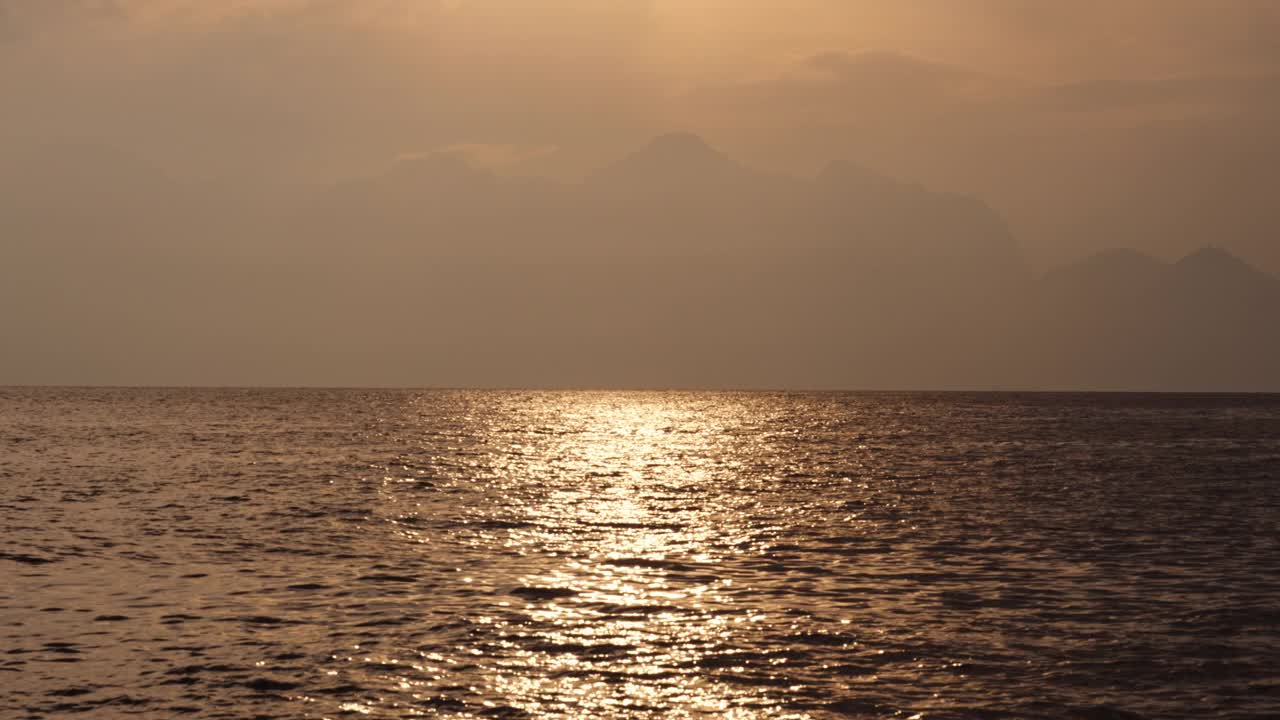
(399, 554)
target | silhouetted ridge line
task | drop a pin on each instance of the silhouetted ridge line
(674, 266)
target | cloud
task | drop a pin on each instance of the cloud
(323, 87)
(1158, 36)
(1055, 112)
(1166, 164)
(837, 86)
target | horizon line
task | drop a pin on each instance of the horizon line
(637, 390)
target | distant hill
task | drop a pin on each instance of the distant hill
(671, 162)
(674, 266)
(679, 266)
(1123, 320)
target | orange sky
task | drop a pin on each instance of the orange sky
(174, 173)
(955, 94)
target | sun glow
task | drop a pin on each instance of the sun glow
(636, 590)
(620, 573)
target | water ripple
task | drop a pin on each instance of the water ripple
(313, 554)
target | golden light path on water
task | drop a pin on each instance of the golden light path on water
(610, 528)
(628, 453)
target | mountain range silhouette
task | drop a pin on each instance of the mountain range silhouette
(674, 266)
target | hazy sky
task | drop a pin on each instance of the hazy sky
(963, 94)
(1150, 124)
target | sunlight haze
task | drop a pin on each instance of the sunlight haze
(187, 187)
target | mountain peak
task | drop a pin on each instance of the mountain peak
(681, 144)
(1218, 265)
(1114, 268)
(682, 157)
(683, 152)
(1212, 257)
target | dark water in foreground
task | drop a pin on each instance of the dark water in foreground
(312, 554)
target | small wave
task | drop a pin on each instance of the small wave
(26, 559)
(619, 611)
(544, 593)
(183, 670)
(270, 685)
(71, 692)
(580, 649)
(265, 620)
(1104, 712)
(647, 563)
(387, 578)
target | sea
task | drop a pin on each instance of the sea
(238, 554)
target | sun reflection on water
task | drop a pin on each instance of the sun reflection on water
(628, 608)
